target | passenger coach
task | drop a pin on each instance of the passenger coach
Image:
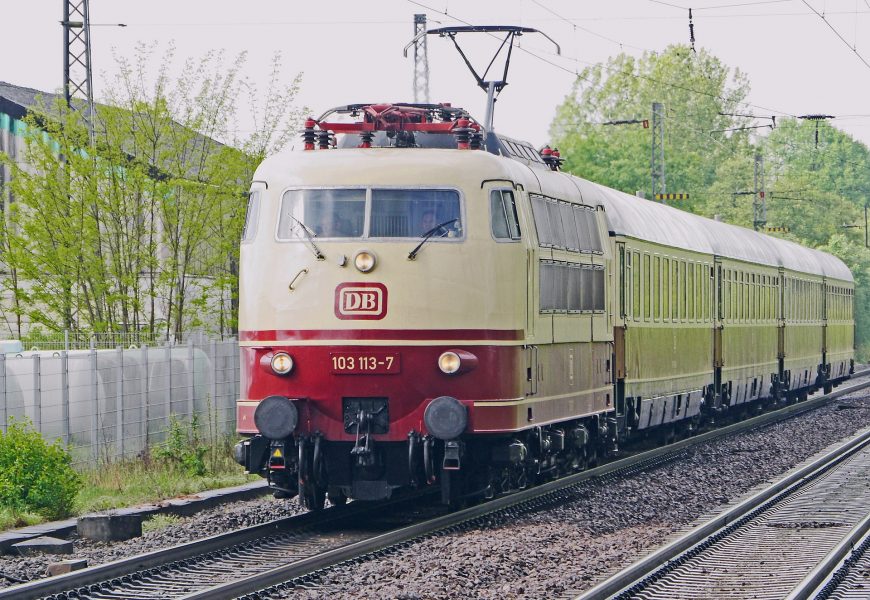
(422, 302)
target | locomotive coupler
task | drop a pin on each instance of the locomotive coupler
(362, 448)
(452, 453)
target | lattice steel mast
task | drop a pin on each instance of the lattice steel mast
(77, 74)
(657, 160)
(421, 61)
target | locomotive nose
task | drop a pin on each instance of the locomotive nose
(276, 417)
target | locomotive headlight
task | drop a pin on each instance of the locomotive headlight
(282, 363)
(364, 261)
(456, 361)
(449, 362)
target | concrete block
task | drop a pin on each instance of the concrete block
(10, 538)
(110, 527)
(65, 566)
(44, 545)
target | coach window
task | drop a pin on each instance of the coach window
(666, 289)
(647, 287)
(703, 283)
(729, 296)
(635, 285)
(657, 288)
(252, 216)
(503, 215)
(690, 286)
(675, 290)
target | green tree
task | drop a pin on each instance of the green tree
(700, 96)
(139, 231)
(813, 188)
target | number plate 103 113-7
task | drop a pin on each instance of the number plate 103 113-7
(365, 363)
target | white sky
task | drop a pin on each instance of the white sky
(352, 51)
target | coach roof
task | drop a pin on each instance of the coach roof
(654, 222)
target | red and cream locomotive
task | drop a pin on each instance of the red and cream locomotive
(427, 303)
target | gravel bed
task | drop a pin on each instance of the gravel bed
(562, 550)
(219, 519)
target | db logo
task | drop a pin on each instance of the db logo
(361, 301)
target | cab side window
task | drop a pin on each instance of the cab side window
(251, 217)
(503, 215)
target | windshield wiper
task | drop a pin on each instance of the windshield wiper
(309, 235)
(413, 253)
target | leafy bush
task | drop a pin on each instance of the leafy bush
(35, 475)
(184, 446)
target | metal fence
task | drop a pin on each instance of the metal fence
(108, 404)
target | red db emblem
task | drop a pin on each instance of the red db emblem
(361, 301)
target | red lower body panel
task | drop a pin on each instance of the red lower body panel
(407, 376)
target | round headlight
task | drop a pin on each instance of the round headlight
(364, 261)
(282, 363)
(449, 362)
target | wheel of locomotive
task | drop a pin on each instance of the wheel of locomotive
(336, 498)
(592, 455)
(828, 388)
(582, 459)
(453, 489)
(312, 496)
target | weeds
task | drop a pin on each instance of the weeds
(184, 446)
(159, 521)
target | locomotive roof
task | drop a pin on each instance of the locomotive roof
(655, 222)
(626, 214)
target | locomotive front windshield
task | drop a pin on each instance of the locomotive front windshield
(370, 213)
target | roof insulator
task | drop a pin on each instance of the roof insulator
(308, 135)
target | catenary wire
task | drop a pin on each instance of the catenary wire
(832, 28)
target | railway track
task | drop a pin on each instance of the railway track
(849, 578)
(286, 550)
(782, 542)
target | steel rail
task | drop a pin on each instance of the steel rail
(149, 560)
(294, 570)
(668, 556)
(813, 584)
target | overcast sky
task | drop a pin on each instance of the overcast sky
(352, 51)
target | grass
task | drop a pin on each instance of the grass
(158, 522)
(146, 480)
(11, 518)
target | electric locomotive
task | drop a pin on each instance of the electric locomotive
(424, 302)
